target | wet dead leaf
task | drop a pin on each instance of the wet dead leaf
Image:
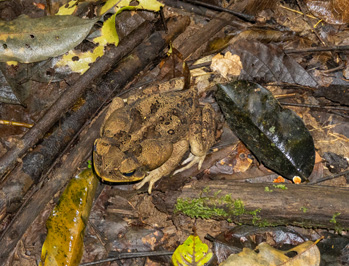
(29, 40)
(276, 136)
(267, 62)
(331, 11)
(67, 223)
(306, 254)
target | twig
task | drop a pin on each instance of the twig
(316, 106)
(318, 49)
(130, 255)
(13, 123)
(140, 57)
(298, 12)
(329, 177)
(324, 42)
(243, 16)
(64, 102)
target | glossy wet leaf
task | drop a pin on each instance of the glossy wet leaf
(267, 62)
(29, 40)
(277, 136)
(192, 252)
(306, 253)
(66, 225)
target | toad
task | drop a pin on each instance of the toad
(147, 138)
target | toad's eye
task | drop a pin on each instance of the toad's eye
(130, 173)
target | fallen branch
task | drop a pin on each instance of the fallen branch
(139, 59)
(301, 205)
(39, 160)
(68, 98)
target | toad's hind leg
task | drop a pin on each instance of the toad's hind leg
(179, 149)
(201, 137)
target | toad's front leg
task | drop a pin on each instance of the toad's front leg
(201, 137)
(179, 149)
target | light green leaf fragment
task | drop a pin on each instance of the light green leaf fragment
(29, 40)
(68, 9)
(192, 252)
(108, 33)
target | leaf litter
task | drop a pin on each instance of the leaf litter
(273, 66)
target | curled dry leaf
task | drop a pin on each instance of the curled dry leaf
(229, 64)
(331, 11)
(307, 254)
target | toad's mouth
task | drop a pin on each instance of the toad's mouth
(115, 176)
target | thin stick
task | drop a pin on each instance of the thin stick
(238, 14)
(329, 177)
(67, 99)
(316, 106)
(13, 123)
(130, 255)
(318, 49)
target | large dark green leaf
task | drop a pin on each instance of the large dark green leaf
(277, 136)
(29, 40)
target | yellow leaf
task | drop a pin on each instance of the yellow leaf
(68, 9)
(66, 225)
(118, 5)
(12, 63)
(192, 252)
(80, 62)
(108, 33)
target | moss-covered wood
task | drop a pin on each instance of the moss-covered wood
(265, 204)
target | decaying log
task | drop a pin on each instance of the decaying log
(138, 59)
(302, 205)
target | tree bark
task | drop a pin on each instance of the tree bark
(301, 205)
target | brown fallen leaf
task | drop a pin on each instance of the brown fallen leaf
(331, 11)
(307, 254)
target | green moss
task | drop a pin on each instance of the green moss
(206, 207)
(206, 189)
(267, 189)
(280, 186)
(304, 209)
